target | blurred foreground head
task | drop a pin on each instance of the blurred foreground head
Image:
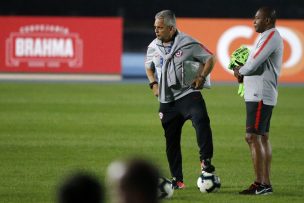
(134, 181)
(81, 187)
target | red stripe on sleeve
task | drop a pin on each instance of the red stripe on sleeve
(258, 115)
(206, 49)
(264, 44)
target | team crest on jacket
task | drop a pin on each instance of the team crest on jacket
(179, 53)
(161, 115)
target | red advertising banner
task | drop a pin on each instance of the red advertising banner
(223, 36)
(60, 45)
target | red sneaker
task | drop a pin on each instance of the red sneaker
(178, 184)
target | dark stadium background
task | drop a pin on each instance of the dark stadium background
(138, 15)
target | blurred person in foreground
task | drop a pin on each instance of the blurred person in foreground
(166, 57)
(260, 74)
(81, 187)
(133, 181)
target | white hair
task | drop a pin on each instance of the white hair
(168, 16)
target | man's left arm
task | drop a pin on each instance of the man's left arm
(205, 69)
(207, 61)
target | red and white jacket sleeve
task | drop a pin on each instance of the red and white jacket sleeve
(266, 45)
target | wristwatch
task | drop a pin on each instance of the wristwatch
(152, 83)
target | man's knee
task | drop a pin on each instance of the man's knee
(200, 122)
(251, 138)
(265, 138)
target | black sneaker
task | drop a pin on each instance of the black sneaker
(178, 184)
(207, 166)
(254, 189)
(268, 190)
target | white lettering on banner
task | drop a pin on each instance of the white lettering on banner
(247, 32)
(44, 45)
(43, 28)
(52, 47)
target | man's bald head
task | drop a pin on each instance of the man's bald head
(269, 13)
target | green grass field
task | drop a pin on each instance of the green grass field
(48, 130)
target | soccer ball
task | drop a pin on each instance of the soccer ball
(208, 182)
(165, 188)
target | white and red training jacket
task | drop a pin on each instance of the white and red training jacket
(263, 67)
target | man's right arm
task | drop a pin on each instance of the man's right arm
(150, 71)
(263, 50)
(152, 80)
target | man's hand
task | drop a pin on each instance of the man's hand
(198, 82)
(237, 74)
(155, 90)
(240, 79)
